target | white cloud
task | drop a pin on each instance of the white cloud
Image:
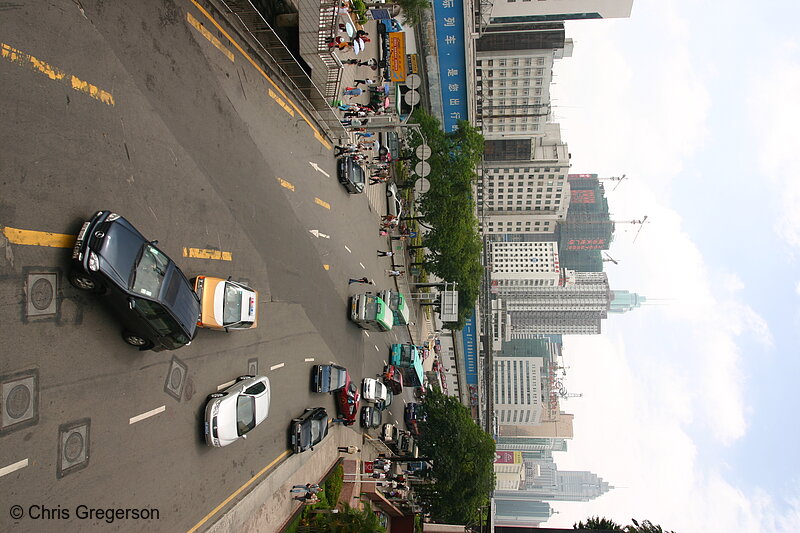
(775, 113)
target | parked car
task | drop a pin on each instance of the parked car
(351, 175)
(390, 433)
(407, 446)
(393, 379)
(349, 399)
(371, 417)
(225, 304)
(308, 430)
(329, 378)
(389, 144)
(413, 416)
(234, 412)
(374, 391)
(393, 203)
(141, 285)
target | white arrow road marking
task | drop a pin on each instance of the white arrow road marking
(317, 234)
(148, 414)
(316, 167)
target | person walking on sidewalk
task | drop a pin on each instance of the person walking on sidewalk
(365, 81)
(349, 449)
(381, 253)
(364, 280)
(395, 273)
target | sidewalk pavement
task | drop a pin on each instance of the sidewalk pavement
(270, 505)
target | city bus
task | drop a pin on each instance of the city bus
(397, 303)
(408, 358)
(371, 312)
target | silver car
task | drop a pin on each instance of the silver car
(232, 413)
(394, 205)
(374, 391)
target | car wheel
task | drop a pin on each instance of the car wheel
(83, 282)
(242, 378)
(388, 194)
(135, 340)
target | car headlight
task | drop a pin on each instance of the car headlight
(94, 262)
(112, 217)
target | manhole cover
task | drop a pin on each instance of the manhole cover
(42, 294)
(18, 401)
(188, 389)
(73, 448)
(175, 378)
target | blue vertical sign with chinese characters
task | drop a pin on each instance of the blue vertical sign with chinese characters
(449, 15)
(469, 336)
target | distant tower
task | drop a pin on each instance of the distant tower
(624, 301)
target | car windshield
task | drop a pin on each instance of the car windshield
(338, 377)
(316, 430)
(149, 271)
(232, 307)
(245, 414)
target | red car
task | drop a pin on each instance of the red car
(393, 379)
(349, 398)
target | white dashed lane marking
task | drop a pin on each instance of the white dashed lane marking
(148, 414)
(13, 468)
(226, 385)
(275, 367)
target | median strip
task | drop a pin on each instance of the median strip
(54, 73)
(200, 253)
(38, 238)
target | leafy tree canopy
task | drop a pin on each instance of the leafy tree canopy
(462, 455)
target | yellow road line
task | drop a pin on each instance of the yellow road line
(237, 492)
(317, 135)
(286, 184)
(200, 253)
(280, 101)
(38, 238)
(54, 73)
(323, 203)
(207, 34)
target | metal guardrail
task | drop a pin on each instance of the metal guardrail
(263, 39)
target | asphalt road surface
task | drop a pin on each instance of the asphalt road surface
(149, 110)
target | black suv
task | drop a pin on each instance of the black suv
(351, 175)
(142, 286)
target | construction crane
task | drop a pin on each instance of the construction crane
(618, 179)
(640, 229)
(609, 258)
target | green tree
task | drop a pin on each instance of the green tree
(595, 523)
(598, 524)
(448, 208)
(462, 456)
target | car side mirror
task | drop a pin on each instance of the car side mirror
(154, 242)
(226, 330)
(244, 436)
(131, 303)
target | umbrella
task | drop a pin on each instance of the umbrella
(358, 46)
(386, 103)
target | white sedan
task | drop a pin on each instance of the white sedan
(232, 413)
(374, 391)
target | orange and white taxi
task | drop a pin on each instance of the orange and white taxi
(226, 304)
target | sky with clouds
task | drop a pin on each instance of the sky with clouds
(689, 406)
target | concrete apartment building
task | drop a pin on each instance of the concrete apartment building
(514, 11)
(518, 390)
